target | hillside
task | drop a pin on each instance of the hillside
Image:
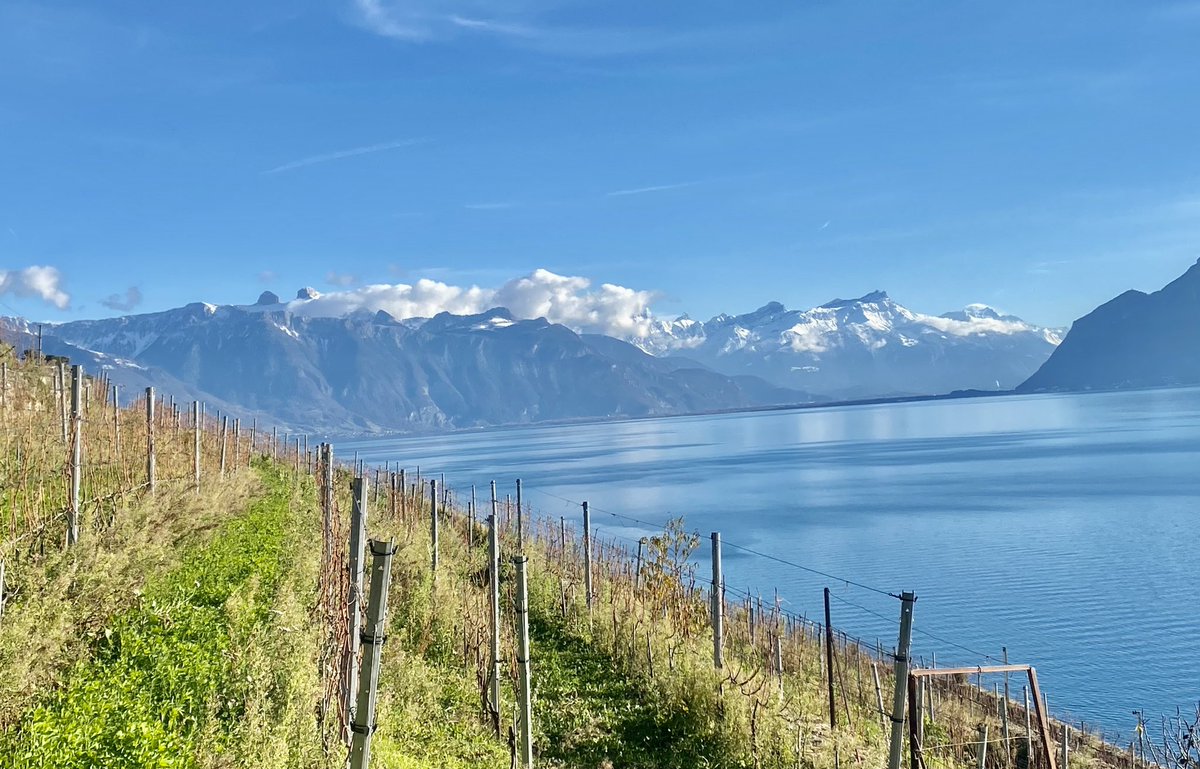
(1135, 340)
(204, 624)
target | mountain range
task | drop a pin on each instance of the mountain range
(863, 348)
(370, 372)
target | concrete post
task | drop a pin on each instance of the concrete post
(907, 599)
(362, 721)
(358, 533)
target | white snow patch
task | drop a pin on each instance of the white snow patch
(290, 332)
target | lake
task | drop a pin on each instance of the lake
(1064, 527)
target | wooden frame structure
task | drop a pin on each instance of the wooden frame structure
(915, 749)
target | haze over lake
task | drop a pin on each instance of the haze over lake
(1060, 526)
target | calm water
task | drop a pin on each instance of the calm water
(1064, 527)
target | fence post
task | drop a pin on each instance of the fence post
(520, 522)
(932, 699)
(76, 454)
(433, 523)
(1028, 728)
(116, 422)
(494, 585)
(718, 603)
(474, 514)
(1007, 746)
(224, 432)
(587, 554)
(327, 481)
(1043, 716)
(525, 743)
(829, 662)
(358, 532)
(362, 723)
(907, 599)
(62, 398)
(983, 742)
(637, 575)
(879, 695)
(150, 438)
(196, 445)
(914, 724)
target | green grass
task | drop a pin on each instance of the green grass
(590, 710)
(168, 684)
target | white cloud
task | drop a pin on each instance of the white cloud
(972, 326)
(569, 300)
(340, 154)
(37, 281)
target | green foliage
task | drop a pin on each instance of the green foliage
(591, 711)
(164, 687)
(429, 709)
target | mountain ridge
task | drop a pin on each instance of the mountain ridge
(1133, 340)
(370, 373)
(869, 346)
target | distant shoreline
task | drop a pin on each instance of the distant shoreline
(896, 399)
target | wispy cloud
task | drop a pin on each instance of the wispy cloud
(497, 206)
(384, 22)
(342, 154)
(496, 27)
(526, 25)
(132, 298)
(267, 276)
(653, 188)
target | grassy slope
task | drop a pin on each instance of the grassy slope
(211, 659)
(195, 672)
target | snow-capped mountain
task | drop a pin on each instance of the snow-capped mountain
(369, 372)
(865, 347)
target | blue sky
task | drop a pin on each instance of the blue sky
(1038, 157)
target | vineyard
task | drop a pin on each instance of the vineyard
(181, 589)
